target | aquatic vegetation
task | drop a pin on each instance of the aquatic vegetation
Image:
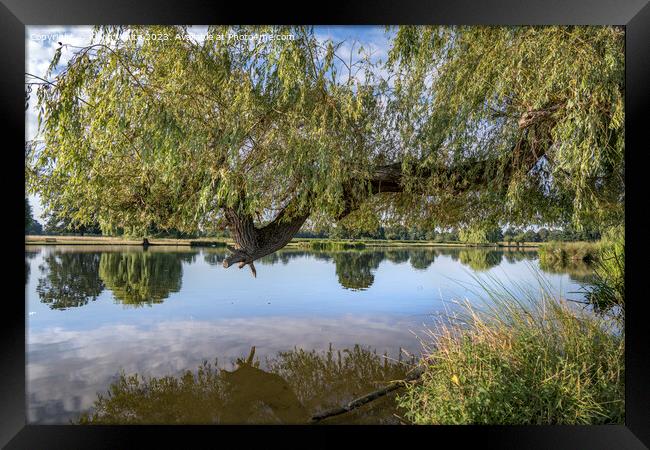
(607, 290)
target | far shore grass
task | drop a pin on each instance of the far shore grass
(316, 243)
(118, 240)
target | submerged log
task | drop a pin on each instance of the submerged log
(414, 375)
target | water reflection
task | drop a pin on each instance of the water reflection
(355, 269)
(285, 256)
(214, 258)
(513, 256)
(397, 256)
(289, 389)
(480, 260)
(142, 278)
(378, 297)
(422, 259)
(70, 279)
(29, 255)
(578, 271)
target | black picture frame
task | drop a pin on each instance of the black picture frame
(634, 14)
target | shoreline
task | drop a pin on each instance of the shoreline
(222, 242)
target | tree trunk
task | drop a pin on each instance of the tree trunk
(253, 243)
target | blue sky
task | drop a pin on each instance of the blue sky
(42, 41)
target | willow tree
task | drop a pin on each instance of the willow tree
(462, 126)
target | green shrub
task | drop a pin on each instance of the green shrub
(334, 245)
(520, 362)
(562, 253)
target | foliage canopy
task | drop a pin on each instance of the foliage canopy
(469, 126)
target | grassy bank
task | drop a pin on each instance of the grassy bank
(341, 244)
(608, 287)
(520, 362)
(117, 240)
(311, 243)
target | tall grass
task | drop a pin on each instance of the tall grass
(520, 359)
(607, 290)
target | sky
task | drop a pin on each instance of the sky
(42, 41)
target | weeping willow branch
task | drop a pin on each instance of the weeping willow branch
(253, 243)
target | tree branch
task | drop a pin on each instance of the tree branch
(253, 243)
(470, 174)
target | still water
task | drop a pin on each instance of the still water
(309, 333)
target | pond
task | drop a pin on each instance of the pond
(309, 333)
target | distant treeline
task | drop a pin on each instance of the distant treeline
(545, 235)
(54, 225)
(455, 235)
(390, 233)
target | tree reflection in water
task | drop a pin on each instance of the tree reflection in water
(578, 271)
(397, 256)
(295, 385)
(479, 260)
(422, 259)
(142, 277)
(214, 257)
(355, 269)
(513, 256)
(284, 257)
(70, 279)
(146, 277)
(30, 254)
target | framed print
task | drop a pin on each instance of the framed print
(369, 217)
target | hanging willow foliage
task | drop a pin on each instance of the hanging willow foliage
(472, 126)
(489, 92)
